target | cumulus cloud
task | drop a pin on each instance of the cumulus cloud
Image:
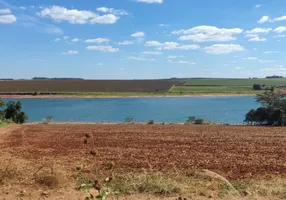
(103, 48)
(164, 25)
(126, 42)
(208, 34)
(223, 48)
(258, 30)
(7, 19)
(5, 11)
(280, 29)
(264, 19)
(258, 5)
(182, 62)
(150, 1)
(138, 34)
(57, 39)
(70, 52)
(270, 52)
(140, 58)
(112, 11)
(268, 19)
(250, 58)
(174, 57)
(266, 61)
(97, 40)
(75, 40)
(257, 39)
(152, 52)
(74, 16)
(170, 46)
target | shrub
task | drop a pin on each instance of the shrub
(199, 121)
(128, 119)
(191, 119)
(48, 119)
(151, 122)
(257, 87)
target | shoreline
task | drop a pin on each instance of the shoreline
(119, 96)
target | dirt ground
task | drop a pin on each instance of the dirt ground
(235, 152)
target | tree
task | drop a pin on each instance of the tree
(14, 112)
(271, 112)
(257, 87)
(2, 103)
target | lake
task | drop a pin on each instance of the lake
(176, 109)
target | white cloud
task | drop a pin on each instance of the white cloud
(280, 29)
(268, 19)
(182, 62)
(223, 48)
(99, 64)
(138, 34)
(139, 58)
(208, 34)
(170, 46)
(126, 42)
(270, 52)
(258, 5)
(5, 11)
(97, 40)
(257, 39)
(57, 39)
(282, 18)
(174, 57)
(112, 11)
(150, 1)
(52, 29)
(23, 8)
(264, 19)
(75, 40)
(239, 68)
(258, 30)
(103, 48)
(280, 36)
(74, 16)
(266, 61)
(7, 19)
(250, 58)
(65, 37)
(164, 25)
(70, 52)
(152, 52)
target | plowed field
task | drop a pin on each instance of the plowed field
(234, 151)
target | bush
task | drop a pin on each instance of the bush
(48, 119)
(151, 122)
(194, 120)
(128, 119)
(257, 87)
(199, 121)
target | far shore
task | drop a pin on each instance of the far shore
(119, 96)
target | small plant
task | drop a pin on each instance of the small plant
(191, 119)
(48, 120)
(128, 119)
(151, 122)
(199, 121)
(194, 120)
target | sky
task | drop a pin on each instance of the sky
(142, 39)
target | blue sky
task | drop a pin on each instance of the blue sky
(142, 39)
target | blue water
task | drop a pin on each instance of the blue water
(216, 109)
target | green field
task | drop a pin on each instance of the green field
(201, 90)
(236, 82)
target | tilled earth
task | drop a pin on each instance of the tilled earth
(235, 151)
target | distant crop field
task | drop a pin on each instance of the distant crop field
(197, 90)
(50, 86)
(236, 82)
